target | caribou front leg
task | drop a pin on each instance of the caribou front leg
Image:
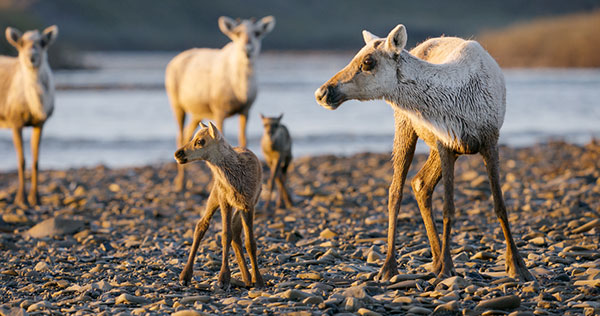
(405, 141)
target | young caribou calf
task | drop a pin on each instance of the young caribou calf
(27, 97)
(237, 176)
(452, 95)
(216, 83)
(276, 145)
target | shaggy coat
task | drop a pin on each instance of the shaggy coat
(451, 93)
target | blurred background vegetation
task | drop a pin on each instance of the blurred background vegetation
(548, 33)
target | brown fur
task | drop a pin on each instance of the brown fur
(237, 183)
(276, 145)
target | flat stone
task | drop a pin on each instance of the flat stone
(483, 255)
(588, 226)
(41, 267)
(295, 295)
(188, 312)
(508, 302)
(521, 313)
(310, 276)
(193, 299)
(591, 283)
(55, 226)
(313, 300)
(450, 308)
(39, 306)
(408, 284)
(328, 234)
(357, 292)
(352, 304)
(11, 218)
(455, 281)
(130, 299)
(419, 310)
(367, 312)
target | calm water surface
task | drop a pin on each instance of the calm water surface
(119, 115)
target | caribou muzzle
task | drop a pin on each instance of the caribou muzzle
(329, 97)
(180, 156)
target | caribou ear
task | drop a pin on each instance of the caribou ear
(213, 131)
(279, 117)
(262, 117)
(49, 35)
(396, 40)
(202, 125)
(265, 25)
(226, 25)
(368, 36)
(13, 36)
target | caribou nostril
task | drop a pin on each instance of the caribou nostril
(322, 93)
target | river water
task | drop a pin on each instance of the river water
(118, 114)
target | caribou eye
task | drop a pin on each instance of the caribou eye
(200, 142)
(256, 33)
(368, 63)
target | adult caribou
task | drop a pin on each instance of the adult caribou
(451, 93)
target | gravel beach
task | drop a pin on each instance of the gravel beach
(113, 241)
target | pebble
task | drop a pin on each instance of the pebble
(188, 312)
(367, 312)
(295, 295)
(39, 306)
(310, 276)
(55, 226)
(193, 299)
(41, 267)
(130, 299)
(419, 310)
(328, 234)
(508, 302)
(313, 300)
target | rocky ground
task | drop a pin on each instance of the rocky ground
(113, 241)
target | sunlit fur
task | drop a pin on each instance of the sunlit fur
(214, 84)
(449, 88)
(27, 94)
(448, 92)
(237, 174)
